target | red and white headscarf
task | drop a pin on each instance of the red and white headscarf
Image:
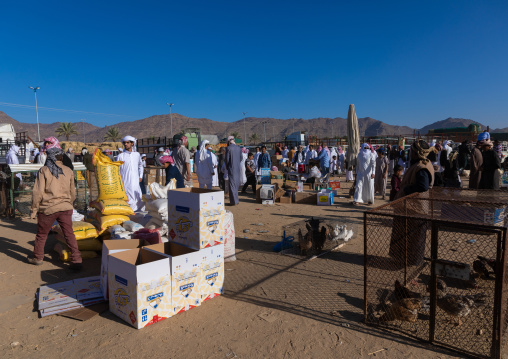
(53, 142)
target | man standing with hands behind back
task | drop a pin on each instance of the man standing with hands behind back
(131, 172)
(182, 160)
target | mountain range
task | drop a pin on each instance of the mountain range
(270, 129)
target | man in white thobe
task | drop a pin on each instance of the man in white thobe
(365, 173)
(204, 166)
(11, 158)
(215, 181)
(132, 173)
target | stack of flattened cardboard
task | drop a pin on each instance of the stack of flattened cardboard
(65, 296)
(148, 283)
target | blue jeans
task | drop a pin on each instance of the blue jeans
(325, 171)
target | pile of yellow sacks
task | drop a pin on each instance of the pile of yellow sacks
(111, 206)
(86, 235)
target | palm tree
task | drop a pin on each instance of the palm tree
(112, 135)
(236, 135)
(254, 138)
(66, 129)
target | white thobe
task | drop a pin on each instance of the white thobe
(365, 168)
(204, 170)
(11, 158)
(215, 180)
(256, 157)
(243, 177)
(131, 171)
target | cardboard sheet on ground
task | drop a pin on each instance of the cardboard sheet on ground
(86, 313)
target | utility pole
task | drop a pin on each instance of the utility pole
(36, 111)
(244, 132)
(273, 133)
(84, 141)
(170, 118)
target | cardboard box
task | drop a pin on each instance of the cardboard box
(276, 175)
(290, 184)
(110, 247)
(265, 175)
(212, 269)
(186, 274)
(325, 198)
(334, 184)
(278, 182)
(140, 287)
(305, 197)
(196, 217)
(308, 186)
(286, 200)
(258, 194)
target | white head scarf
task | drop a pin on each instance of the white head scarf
(14, 149)
(365, 152)
(132, 139)
(203, 152)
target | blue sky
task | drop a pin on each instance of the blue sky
(401, 62)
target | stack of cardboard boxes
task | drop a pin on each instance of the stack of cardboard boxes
(148, 283)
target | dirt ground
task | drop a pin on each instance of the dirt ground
(274, 306)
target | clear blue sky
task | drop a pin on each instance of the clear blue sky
(401, 62)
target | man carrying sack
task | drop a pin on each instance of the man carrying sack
(52, 200)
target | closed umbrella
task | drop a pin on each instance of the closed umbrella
(353, 136)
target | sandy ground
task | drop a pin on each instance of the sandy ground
(274, 306)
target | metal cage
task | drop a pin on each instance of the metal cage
(435, 268)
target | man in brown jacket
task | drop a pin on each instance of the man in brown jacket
(52, 200)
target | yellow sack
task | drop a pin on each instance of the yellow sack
(104, 222)
(109, 207)
(90, 244)
(65, 253)
(108, 176)
(82, 230)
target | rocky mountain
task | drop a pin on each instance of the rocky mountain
(273, 129)
(449, 122)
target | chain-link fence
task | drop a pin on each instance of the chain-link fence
(435, 268)
(20, 183)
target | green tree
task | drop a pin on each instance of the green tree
(112, 135)
(254, 138)
(236, 135)
(66, 129)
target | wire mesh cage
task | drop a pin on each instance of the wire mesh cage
(435, 268)
(20, 181)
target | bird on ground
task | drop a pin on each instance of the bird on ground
(490, 261)
(459, 306)
(405, 310)
(480, 267)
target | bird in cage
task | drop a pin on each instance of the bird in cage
(459, 306)
(480, 267)
(441, 290)
(405, 310)
(402, 292)
(304, 241)
(490, 261)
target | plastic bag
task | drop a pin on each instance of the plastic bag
(158, 205)
(104, 222)
(116, 229)
(315, 172)
(229, 237)
(122, 235)
(109, 207)
(161, 216)
(82, 230)
(152, 236)
(109, 181)
(131, 226)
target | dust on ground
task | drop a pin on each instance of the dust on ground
(274, 306)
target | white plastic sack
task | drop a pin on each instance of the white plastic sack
(315, 172)
(116, 229)
(158, 222)
(161, 216)
(132, 226)
(122, 235)
(158, 191)
(229, 237)
(140, 217)
(77, 217)
(159, 205)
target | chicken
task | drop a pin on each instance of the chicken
(319, 242)
(491, 262)
(480, 267)
(405, 310)
(304, 242)
(335, 232)
(402, 292)
(442, 289)
(459, 306)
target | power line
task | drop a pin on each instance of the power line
(17, 105)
